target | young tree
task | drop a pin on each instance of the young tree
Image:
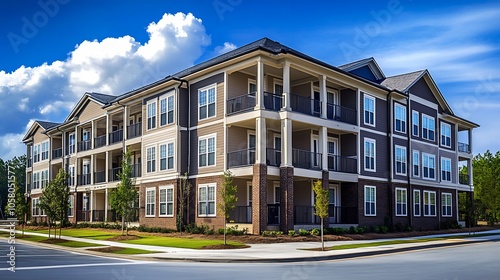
(321, 206)
(183, 195)
(55, 201)
(124, 195)
(228, 199)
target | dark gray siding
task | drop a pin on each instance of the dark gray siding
(145, 100)
(348, 145)
(183, 107)
(380, 114)
(381, 155)
(348, 98)
(422, 109)
(394, 119)
(422, 90)
(184, 152)
(365, 72)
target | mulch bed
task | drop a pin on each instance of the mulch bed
(54, 241)
(224, 247)
(123, 238)
(110, 249)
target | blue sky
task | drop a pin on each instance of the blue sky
(52, 51)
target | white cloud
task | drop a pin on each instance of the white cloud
(111, 66)
(227, 47)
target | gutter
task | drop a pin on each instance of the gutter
(390, 161)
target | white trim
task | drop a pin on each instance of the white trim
(166, 188)
(374, 142)
(441, 170)
(206, 186)
(166, 143)
(251, 81)
(165, 97)
(150, 102)
(423, 166)
(427, 194)
(206, 88)
(375, 131)
(405, 202)
(415, 191)
(428, 130)
(374, 198)
(424, 102)
(221, 121)
(413, 164)
(276, 185)
(418, 122)
(451, 205)
(403, 149)
(153, 189)
(249, 193)
(403, 125)
(442, 123)
(154, 158)
(206, 138)
(366, 95)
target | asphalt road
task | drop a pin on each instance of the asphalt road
(474, 261)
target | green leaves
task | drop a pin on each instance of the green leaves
(322, 201)
(486, 170)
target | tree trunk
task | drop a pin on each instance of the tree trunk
(123, 222)
(322, 240)
(225, 232)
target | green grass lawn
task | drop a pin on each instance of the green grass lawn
(381, 243)
(95, 234)
(190, 243)
(78, 244)
(132, 251)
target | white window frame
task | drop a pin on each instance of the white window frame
(277, 193)
(167, 201)
(415, 122)
(374, 202)
(426, 158)
(417, 204)
(207, 152)
(206, 200)
(374, 142)
(402, 118)
(426, 120)
(205, 90)
(415, 156)
(446, 210)
(35, 209)
(445, 164)
(71, 146)
(150, 205)
(250, 92)
(166, 156)
(71, 172)
(371, 98)
(401, 199)
(400, 157)
(44, 181)
(36, 153)
(445, 127)
(428, 205)
(45, 150)
(36, 184)
(151, 157)
(166, 109)
(71, 205)
(151, 119)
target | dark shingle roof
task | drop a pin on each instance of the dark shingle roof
(402, 82)
(47, 125)
(103, 98)
(355, 63)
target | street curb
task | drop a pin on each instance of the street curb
(324, 258)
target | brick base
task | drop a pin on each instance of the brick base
(286, 203)
(259, 198)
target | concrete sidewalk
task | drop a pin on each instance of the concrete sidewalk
(282, 252)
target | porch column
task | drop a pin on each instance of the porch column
(125, 122)
(106, 205)
(108, 124)
(323, 147)
(286, 85)
(322, 96)
(286, 142)
(106, 167)
(259, 198)
(92, 169)
(91, 205)
(259, 104)
(261, 140)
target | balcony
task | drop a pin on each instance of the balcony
(463, 179)
(304, 215)
(241, 158)
(99, 141)
(305, 159)
(305, 105)
(116, 136)
(71, 181)
(273, 214)
(342, 164)
(136, 170)
(273, 102)
(240, 103)
(84, 145)
(57, 153)
(99, 176)
(273, 157)
(341, 114)
(241, 214)
(83, 215)
(464, 148)
(98, 215)
(83, 179)
(113, 174)
(134, 130)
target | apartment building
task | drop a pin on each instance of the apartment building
(388, 149)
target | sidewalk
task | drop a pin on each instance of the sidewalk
(281, 252)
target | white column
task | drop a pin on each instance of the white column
(125, 122)
(260, 86)
(323, 97)
(260, 136)
(108, 120)
(92, 167)
(106, 205)
(106, 166)
(92, 134)
(323, 147)
(286, 142)
(286, 84)
(91, 204)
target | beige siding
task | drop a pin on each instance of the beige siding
(302, 90)
(238, 84)
(302, 140)
(161, 136)
(218, 130)
(302, 193)
(237, 138)
(38, 137)
(90, 111)
(241, 191)
(218, 80)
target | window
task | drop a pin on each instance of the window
(416, 164)
(71, 180)
(369, 154)
(206, 151)
(167, 156)
(167, 201)
(151, 159)
(206, 200)
(36, 180)
(446, 135)
(429, 166)
(428, 127)
(36, 153)
(415, 123)
(151, 113)
(401, 204)
(277, 194)
(400, 118)
(252, 87)
(400, 160)
(370, 201)
(35, 209)
(446, 204)
(445, 169)
(45, 150)
(429, 203)
(71, 143)
(206, 102)
(71, 205)
(369, 104)
(45, 178)
(150, 202)
(416, 202)
(167, 110)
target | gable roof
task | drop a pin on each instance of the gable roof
(47, 125)
(370, 62)
(402, 82)
(42, 124)
(101, 99)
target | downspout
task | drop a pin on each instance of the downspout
(390, 222)
(409, 163)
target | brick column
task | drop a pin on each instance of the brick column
(286, 203)
(259, 198)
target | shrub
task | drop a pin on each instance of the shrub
(292, 233)
(303, 232)
(235, 231)
(315, 231)
(193, 228)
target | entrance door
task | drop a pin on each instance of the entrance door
(277, 150)
(315, 159)
(316, 104)
(251, 148)
(332, 155)
(333, 211)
